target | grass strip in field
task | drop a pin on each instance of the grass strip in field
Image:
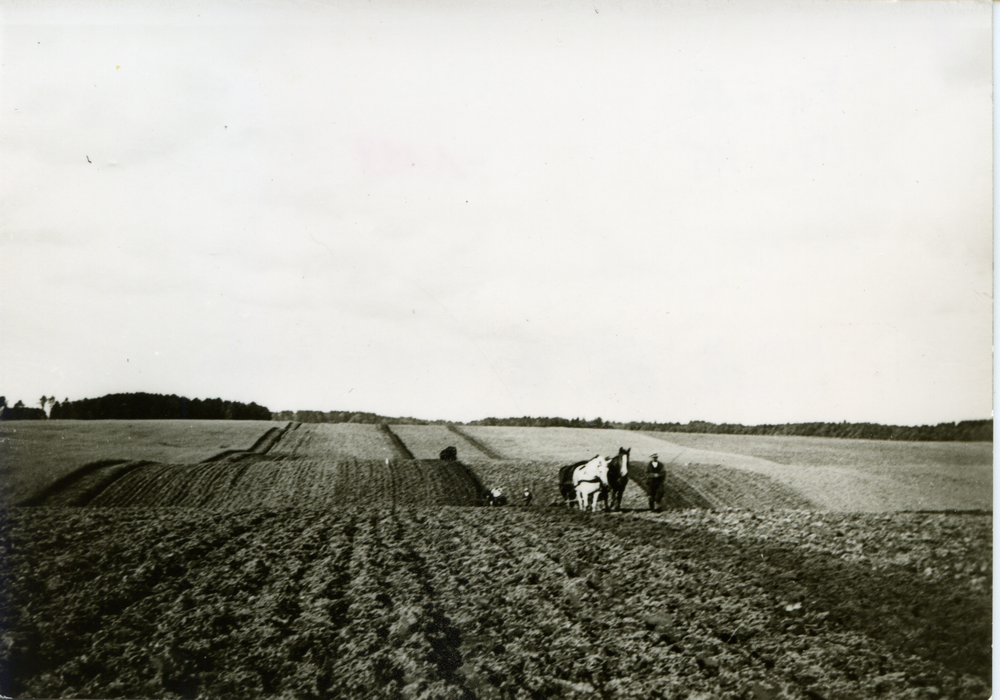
(843, 475)
(479, 445)
(874, 455)
(854, 475)
(567, 445)
(264, 443)
(401, 450)
(36, 454)
(427, 441)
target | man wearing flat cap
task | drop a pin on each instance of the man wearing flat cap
(655, 475)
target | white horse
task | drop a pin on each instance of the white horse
(588, 480)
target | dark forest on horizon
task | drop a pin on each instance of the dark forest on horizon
(144, 406)
(138, 406)
(964, 431)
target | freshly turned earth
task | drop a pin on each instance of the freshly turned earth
(460, 602)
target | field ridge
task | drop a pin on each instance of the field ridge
(400, 446)
(478, 444)
(262, 481)
(262, 446)
(80, 486)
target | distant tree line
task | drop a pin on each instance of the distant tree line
(547, 422)
(21, 412)
(142, 406)
(964, 431)
(150, 406)
(345, 417)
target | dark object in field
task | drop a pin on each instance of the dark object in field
(449, 454)
(655, 475)
(617, 479)
(566, 488)
(496, 498)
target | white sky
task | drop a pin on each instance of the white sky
(736, 212)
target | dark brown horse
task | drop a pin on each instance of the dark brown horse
(567, 489)
(617, 478)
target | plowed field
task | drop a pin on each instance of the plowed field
(329, 563)
(490, 603)
(312, 466)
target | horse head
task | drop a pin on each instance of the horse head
(625, 456)
(619, 463)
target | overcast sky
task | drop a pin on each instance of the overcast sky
(735, 212)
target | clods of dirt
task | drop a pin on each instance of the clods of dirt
(458, 602)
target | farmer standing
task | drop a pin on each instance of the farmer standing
(655, 474)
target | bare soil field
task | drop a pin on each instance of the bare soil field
(326, 562)
(408, 602)
(349, 440)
